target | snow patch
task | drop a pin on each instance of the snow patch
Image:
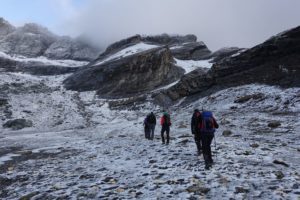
(190, 65)
(45, 60)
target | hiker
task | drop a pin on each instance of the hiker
(151, 120)
(207, 126)
(195, 129)
(146, 128)
(165, 123)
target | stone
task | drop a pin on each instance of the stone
(3, 102)
(246, 98)
(279, 174)
(241, 190)
(227, 133)
(198, 189)
(254, 145)
(280, 162)
(17, 124)
(274, 124)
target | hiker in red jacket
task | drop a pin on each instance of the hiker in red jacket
(165, 123)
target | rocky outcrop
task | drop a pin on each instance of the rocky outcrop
(118, 46)
(165, 39)
(226, 52)
(274, 62)
(191, 51)
(67, 48)
(128, 76)
(33, 40)
(5, 28)
(17, 124)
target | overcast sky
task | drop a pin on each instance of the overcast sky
(219, 23)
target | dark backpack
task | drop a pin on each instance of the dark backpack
(207, 124)
(167, 120)
(151, 119)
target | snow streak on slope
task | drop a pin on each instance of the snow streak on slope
(190, 65)
(127, 52)
(63, 63)
(108, 157)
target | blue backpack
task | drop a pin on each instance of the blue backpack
(207, 124)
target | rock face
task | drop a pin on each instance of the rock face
(67, 48)
(274, 62)
(5, 27)
(33, 40)
(184, 47)
(225, 52)
(127, 76)
(191, 51)
(166, 39)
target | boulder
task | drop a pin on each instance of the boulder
(274, 124)
(127, 76)
(17, 124)
(227, 133)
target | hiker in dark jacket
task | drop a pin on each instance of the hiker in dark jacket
(146, 128)
(151, 119)
(196, 118)
(207, 127)
(165, 123)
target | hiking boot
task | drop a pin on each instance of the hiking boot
(163, 143)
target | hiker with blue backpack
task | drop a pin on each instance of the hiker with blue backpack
(207, 127)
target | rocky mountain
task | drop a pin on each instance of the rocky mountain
(71, 129)
(32, 40)
(274, 62)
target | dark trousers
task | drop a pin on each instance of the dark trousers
(147, 132)
(197, 138)
(206, 149)
(167, 130)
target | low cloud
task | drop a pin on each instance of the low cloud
(218, 23)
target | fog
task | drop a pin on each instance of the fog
(219, 23)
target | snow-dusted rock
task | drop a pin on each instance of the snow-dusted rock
(130, 75)
(31, 40)
(68, 48)
(191, 51)
(17, 124)
(5, 28)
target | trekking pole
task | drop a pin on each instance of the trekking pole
(215, 147)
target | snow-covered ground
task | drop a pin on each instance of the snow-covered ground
(63, 63)
(81, 149)
(140, 47)
(190, 65)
